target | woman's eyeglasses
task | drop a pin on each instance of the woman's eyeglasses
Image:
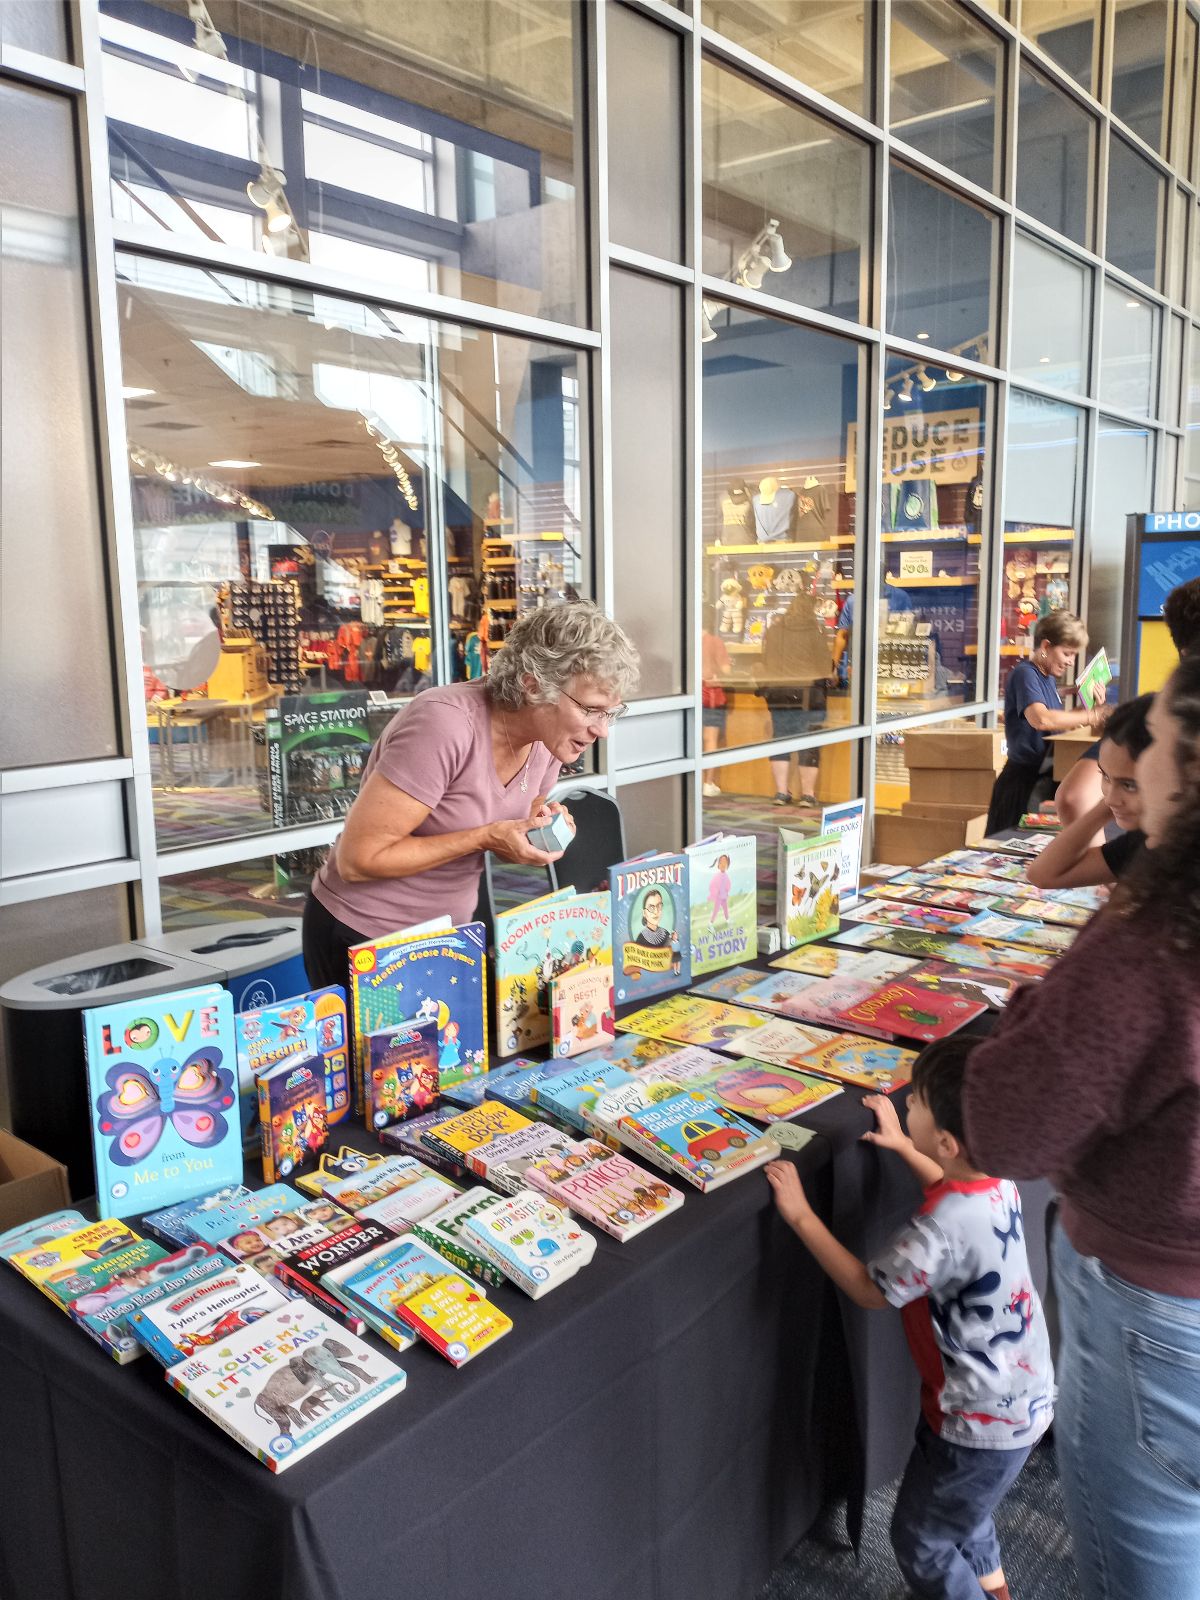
(598, 713)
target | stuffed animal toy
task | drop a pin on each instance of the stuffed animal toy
(731, 608)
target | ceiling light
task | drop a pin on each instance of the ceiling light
(906, 391)
(887, 399)
(953, 375)
(922, 336)
(752, 269)
(129, 392)
(926, 381)
(233, 463)
(1044, 361)
(777, 257)
(266, 191)
(1133, 305)
(707, 332)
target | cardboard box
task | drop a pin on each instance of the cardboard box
(957, 786)
(910, 841)
(1068, 747)
(949, 746)
(31, 1184)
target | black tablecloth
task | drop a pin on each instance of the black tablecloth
(666, 1423)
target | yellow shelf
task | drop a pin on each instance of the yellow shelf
(1041, 536)
(939, 536)
(899, 582)
(779, 545)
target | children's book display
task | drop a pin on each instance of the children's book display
(287, 1384)
(722, 875)
(504, 1161)
(768, 1094)
(904, 1010)
(291, 1116)
(824, 1001)
(31, 1235)
(1021, 844)
(311, 1025)
(171, 1226)
(806, 886)
(442, 1232)
(828, 961)
(604, 1188)
(304, 1270)
(437, 977)
(407, 1139)
(691, 1019)
(995, 989)
(108, 1318)
(694, 1136)
(968, 951)
(652, 943)
(536, 943)
(163, 1094)
(230, 1298)
(863, 1063)
(646, 1086)
(400, 1073)
(581, 1010)
(993, 926)
(899, 914)
(331, 1166)
(568, 1096)
(459, 1137)
(534, 1242)
(778, 1040)
(728, 985)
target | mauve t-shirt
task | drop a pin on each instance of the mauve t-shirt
(439, 751)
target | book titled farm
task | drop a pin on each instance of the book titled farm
(312, 1024)
(163, 1096)
(807, 886)
(400, 1072)
(691, 1019)
(699, 1138)
(436, 977)
(768, 1094)
(902, 1010)
(605, 1189)
(862, 1063)
(442, 1232)
(293, 1129)
(288, 1384)
(723, 893)
(652, 949)
(230, 1297)
(534, 1242)
(581, 1010)
(536, 943)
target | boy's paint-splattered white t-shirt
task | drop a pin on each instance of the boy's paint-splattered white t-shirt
(959, 1272)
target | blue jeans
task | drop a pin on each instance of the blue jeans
(1128, 1432)
(942, 1528)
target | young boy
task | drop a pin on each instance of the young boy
(959, 1273)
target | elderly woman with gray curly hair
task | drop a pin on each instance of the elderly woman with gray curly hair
(462, 770)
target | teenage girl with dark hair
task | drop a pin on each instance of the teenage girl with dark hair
(1092, 1078)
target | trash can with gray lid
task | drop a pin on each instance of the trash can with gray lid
(257, 958)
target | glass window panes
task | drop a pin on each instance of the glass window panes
(303, 469)
(1139, 77)
(1050, 316)
(1043, 500)
(54, 630)
(467, 192)
(1183, 100)
(1069, 33)
(645, 134)
(1174, 372)
(1128, 351)
(824, 43)
(37, 25)
(940, 266)
(945, 68)
(1136, 198)
(1177, 252)
(1124, 484)
(785, 197)
(1194, 266)
(648, 475)
(1056, 142)
(935, 521)
(1192, 412)
(782, 409)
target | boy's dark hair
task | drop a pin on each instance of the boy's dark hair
(1127, 726)
(1181, 613)
(937, 1076)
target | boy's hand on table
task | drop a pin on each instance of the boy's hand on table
(790, 1198)
(887, 1133)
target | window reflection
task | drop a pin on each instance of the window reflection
(1068, 31)
(936, 522)
(1051, 309)
(945, 68)
(445, 147)
(1055, 153)
(941, 267)
(1129, 342)
(1139, 80)
(333, 505)
(824, 43)
(1136, 202)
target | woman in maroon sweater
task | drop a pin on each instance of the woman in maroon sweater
(1093, 1079)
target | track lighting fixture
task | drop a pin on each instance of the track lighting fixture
(906, 391)
(925, 380)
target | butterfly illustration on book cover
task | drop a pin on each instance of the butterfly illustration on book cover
(140, 1099)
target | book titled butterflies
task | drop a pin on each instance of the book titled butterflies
(807, 887)
(163, 1095)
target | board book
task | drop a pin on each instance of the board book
(651, 921)
(605, 1189)
(442, 1232)
(303, 1270)
(29, 1235)
(504, 1161)
(462, 1096)
(516, 1090)
(334, 1165)
(229, 1298)
(366, 1189)
(172, 1224)
(905, 1011)
(312, 1024)
(698, 1138)
(409, 1285)
(460, 1136)
(400, 1073)
(581, 1010)
(406, 1205)
(51, 1261)
(807, 887)
(722, 877)
(766, 1093)
(107, 1318)
(863, 1063)
(288, 1384)
(407, 1139)
(94, 1284)
(260, 1244)
(534, 1242)
(729, 984)
(163, 1096)
(691, 1019)
(830, 961)
(568, 1095)
(419, 977)
(535, 943)
(630, 1050)
(291, 1116)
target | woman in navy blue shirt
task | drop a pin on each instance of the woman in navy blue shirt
(1032, 709)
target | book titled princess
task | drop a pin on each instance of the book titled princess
(605, 1189)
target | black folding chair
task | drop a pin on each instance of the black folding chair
(599, 842)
